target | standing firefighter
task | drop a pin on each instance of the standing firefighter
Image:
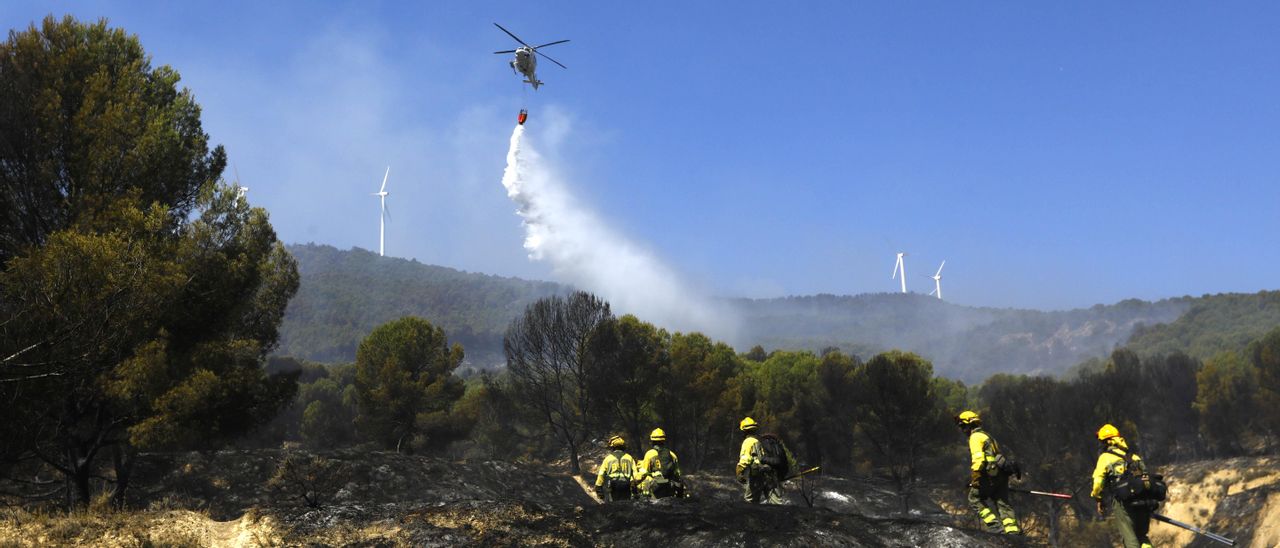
(1121, 482)
(763, 463)
(989, 472)
(613, 480)
(659, 471)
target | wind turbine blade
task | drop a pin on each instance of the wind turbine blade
(384, 180)
(944, 263)
(934, 291)
(385, 210)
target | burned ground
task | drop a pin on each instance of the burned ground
(229, 498)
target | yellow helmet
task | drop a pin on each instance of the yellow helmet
(748, 424)
(1107, 432)
(968, 418)
(657, 435)
(617, 442)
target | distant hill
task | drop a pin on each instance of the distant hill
(966, 343)
(345, 294)
(1213, 324)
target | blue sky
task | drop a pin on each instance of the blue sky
(1056, 156)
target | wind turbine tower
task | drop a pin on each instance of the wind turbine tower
(382, 216)
(937, 280)
(900, 271)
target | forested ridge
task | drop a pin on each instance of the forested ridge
(1213, 324)
(345, 294)
(964, 342)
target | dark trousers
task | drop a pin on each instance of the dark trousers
(990, 499)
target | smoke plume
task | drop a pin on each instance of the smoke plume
(584, 252)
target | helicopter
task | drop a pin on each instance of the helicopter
(526, 62)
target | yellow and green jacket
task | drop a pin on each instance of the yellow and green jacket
(1111, 465)
(983, 452)
(748, 454)
(616, 465)
(650, 464)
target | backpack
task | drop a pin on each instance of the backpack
(1003, 465)
(665, 462)
(663, 485)
(1136, 487)
(620, 478)
(1008, 467)
(773, 454)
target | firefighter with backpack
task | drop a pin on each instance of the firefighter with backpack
(989, 472)
(763, 464)
(659, 471)
(617, 470)
(1123, 488)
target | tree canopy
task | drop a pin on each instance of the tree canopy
(140, 295)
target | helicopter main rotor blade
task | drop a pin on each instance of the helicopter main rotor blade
(513, 36)
(508, 51)
(550, 59)
(551, 44)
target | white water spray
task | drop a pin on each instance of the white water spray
(585, 252)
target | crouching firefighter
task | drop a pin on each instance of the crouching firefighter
(989, 472)
(763, 463)
(1123, 489)
(614, 479)
(659, 471)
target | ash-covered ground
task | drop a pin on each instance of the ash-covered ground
(354, 498)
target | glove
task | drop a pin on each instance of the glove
(1101, 512)
(974, 478)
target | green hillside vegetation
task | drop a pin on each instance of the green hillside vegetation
(967, 343)
(1214, 324)
(345, 294)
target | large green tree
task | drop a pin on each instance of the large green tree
(1225, 399)
(405, 386)
(140, 297)
(695, 398)
(1264, 354)
(626, 358)
(900, 416)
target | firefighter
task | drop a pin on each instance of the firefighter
(763, 463)
(614, 478)
(1132, 520)
(659, 470)
(988, 481)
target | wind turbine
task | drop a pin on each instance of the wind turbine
(937, 280)
(900, 271)
(382, 216)
(240, 190)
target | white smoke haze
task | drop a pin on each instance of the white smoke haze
(585, 252)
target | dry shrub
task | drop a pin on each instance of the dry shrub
(310, 479)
